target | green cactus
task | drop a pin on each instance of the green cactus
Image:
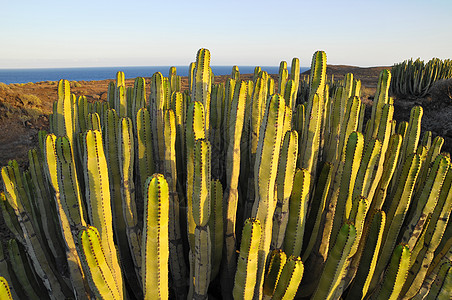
(145, 151)
(442, 287)
(414, 78)
(369, 257)
(395, 275)
(195, 130)
(155, 246)
(298, 205)
(98, 197)
(335, 265)
(265, 170)
(277, 261)
(423, 250)
(248, 260)
(396, 213)
(231, 194)
(284, 182)
(5, 292)
(97, 167)
(100, 272)
(289, 279)
(216, 225)
(44, 268)
(177, 263)
(23, 272)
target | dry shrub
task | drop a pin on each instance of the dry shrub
(30, 100)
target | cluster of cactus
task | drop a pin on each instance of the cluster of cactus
(231, 191)
(414, 79)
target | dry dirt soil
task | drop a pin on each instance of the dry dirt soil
(24, 108)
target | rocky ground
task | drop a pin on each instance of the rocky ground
(24, 107)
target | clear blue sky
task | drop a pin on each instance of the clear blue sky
(257, 33)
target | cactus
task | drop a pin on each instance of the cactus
(339, 217)
(284, 180)
(268, 147)
(395, 275)
(298, 203)
(335, 264)
(277, 261)
(289, 279)
(5, 292)
(247, 265)
(232, 177)
(100, 272)
(155, 247)
(414, 78)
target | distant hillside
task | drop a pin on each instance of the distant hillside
(368, 76)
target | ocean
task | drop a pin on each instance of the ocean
(8, 76)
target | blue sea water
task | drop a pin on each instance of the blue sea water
(8, 76)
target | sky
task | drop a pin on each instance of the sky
(98, 33)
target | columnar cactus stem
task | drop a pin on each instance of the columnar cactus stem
(131, 234)
(201, 214)
(369, 163)
(64, 113)
(24, 274)
(216, 225)
(177, 264)
(98, 197)
(59, 171)
(44, 268)
(423, 251)
(5, 292)
(351, 161)
(258, 104)
(202, 83)
(155, 247)
(396, 213)
(389, 166)
(295, 76)
(277, 261)
(335, 264)
(145, 157)
(231, 194)
(283, 76)
(138, 98)
(265, 170)
(368, 260)
(298, 205)
(395, 275)
(157, 106)
(424, 204)
(284, 181)
(317, 209)
(100, 273)
(381, 98)
(46, 206)
(216, 130)
(289, 279)
(247, 265)
(195, 130)
(179, 108)
(202, 262)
